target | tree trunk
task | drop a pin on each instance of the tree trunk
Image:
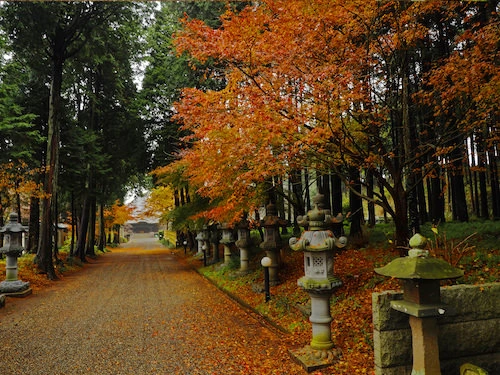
(73, 226)
(422, 204)
(336, 182)
(84, 224)
(495, 184)
(355, 202)
(91, 230)
(102, 230)
(297, 188)
(370, 194)
(44, 253)
(401, 219)
(459, 199)
(323, 183)
(34, 225)
(436, 200)
(483, 194)
(307, 199)
(177, 202)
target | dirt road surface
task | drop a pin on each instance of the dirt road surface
(135, 311)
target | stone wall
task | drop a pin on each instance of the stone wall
(469, 331)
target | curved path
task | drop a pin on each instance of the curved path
(137, 310)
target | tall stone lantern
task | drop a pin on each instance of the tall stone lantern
(319, 282)
(13, 248)
(243, 243)
(421, 275)
(226, 240)
(272, 240)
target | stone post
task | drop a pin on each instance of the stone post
(12, 248)
(272, 240)
(420, 275)
(319, 282)
(243, 244)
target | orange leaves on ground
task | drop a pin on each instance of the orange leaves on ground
(352, 328)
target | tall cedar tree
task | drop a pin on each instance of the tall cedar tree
(52, 33)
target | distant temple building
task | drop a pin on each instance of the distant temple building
(142, 223)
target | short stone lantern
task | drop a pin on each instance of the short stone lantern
(13, 248)
(421, 275)
(243, 243)
(272, 240)
(319, 282)
(226, 240)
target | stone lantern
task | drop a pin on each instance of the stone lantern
(226, 240)
(243, 243)
(13, 248)
(421, 277)
(214, 240)
(272, 240)
(319, 282)
(202, 238)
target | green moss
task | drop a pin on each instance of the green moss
(321, 341)
(319, 284)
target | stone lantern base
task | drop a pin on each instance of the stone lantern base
(314, 359)
(15, 288)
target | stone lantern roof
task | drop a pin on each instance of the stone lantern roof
(272, 219)
(418, 264)
(13, 225)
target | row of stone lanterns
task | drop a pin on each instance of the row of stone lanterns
(420, 275)
(271, 244)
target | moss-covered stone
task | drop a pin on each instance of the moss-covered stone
(319, 284)
(420, 268)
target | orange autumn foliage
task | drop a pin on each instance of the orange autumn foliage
(17, 179)
(117, 214)
(160, 201)
(309, 84)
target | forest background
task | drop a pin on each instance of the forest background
(234, 105)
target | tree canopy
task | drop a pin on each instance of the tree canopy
(338, 86)
(241, 103)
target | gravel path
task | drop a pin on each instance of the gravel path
(138, 310)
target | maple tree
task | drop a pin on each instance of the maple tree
(115, 216)
(160, 200)
(16, 183)
(326, 85)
